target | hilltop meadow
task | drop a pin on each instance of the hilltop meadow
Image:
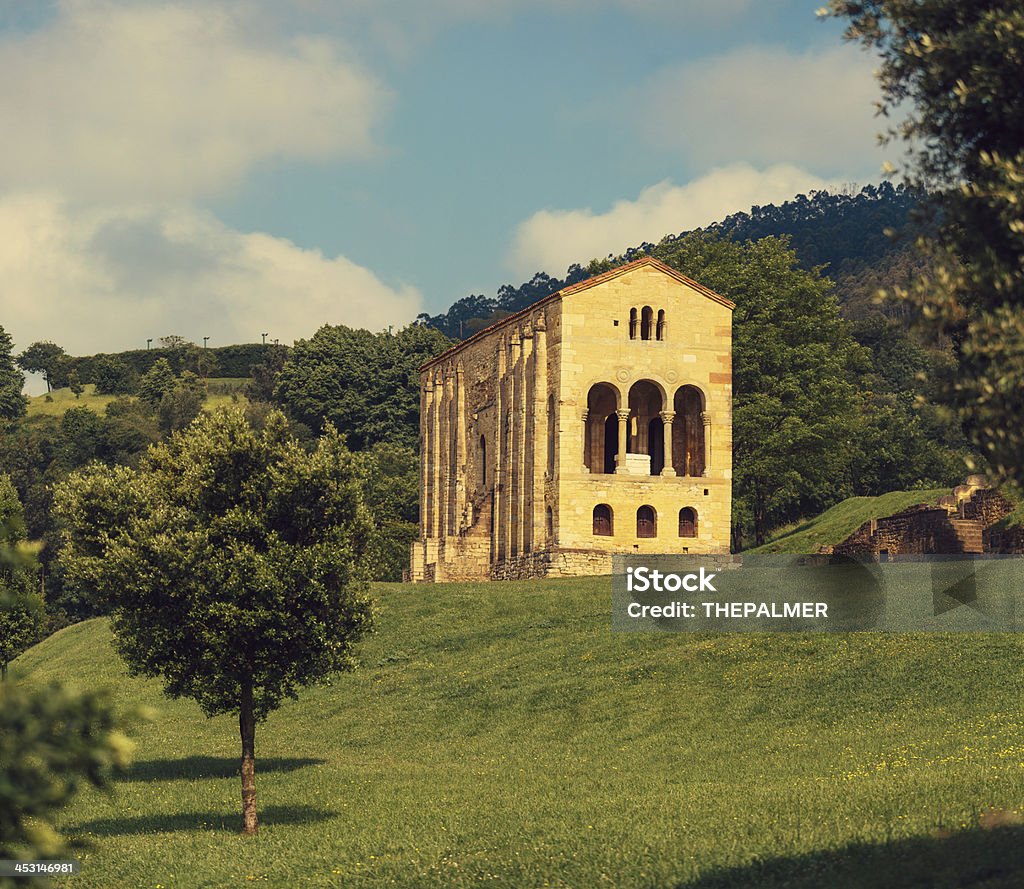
(500, 735)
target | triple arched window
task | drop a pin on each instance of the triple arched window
(644, 324)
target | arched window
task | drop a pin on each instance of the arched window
(687, 522)
(483, 462)
(601, 439)
(632, 324)
(661, 324)
(551, 436)
(603, 524)
(688, 446)
(646, 522)
(550, 523)
(646, 323)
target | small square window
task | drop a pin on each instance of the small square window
(705, 492)
(615, 323)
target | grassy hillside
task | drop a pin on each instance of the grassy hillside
(836, 524)
(502, 735)
(62, 399)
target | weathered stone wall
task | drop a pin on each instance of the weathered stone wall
(920, 530)
(696, 350)
(554, 563)
(505, 492)
(963, 522)
(1005, 540)
(987, 506)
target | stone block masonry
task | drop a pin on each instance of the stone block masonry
(597, 421)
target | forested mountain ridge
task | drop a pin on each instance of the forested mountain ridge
(843, 233)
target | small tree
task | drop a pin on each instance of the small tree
(233, 561)
(182, 404)
(22, 622)
(22, 616)
(112, 376)
(74, 383)
(157, 381)
(45, 358)
(13, 403)
(174, 341)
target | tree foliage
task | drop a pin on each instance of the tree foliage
(182, 404)
(233, 562)
(157, 382)
(46, 358)
(52, 742)
(365, 384)
(12, 403)
(390, 476)
(112, 376)
(951, 77)
(22, 615)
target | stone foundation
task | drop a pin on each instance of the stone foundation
(554, 563)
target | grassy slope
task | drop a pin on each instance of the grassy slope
(63, 399)
(836, 524)
(501, 735)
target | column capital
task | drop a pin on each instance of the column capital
(705, 418)
(667, 416)
(585, 414)
(623, 413)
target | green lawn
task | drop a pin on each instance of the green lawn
(221, 391)
(836, 524)
(63, 399)
(502, 735)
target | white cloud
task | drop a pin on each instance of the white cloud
(552, 239)
(169, 101)
(767, 106)
(95, 280)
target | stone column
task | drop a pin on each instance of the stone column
(497, 502)
(666, 421)
(524, 534)
(705, 418)
(512, 435)
(426, 409)
(623, 414)
(460, 446)
(435, 456)
(586, 433)
(446, 453)
(541, 425)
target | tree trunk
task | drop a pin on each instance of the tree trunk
(759, 518)
(247, 729)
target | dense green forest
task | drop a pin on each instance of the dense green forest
(832, 388)
(844, 234)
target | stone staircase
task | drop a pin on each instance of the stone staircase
(956, 525)
(968, 534)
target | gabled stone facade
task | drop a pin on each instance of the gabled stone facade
(597, 421)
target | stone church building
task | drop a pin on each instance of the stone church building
(596, 421)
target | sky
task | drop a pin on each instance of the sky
(225, 169)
